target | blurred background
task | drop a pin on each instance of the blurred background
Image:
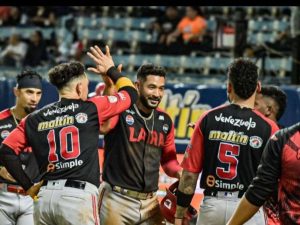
(195, 55)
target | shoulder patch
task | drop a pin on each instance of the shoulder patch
(255, 142)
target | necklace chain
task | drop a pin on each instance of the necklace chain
(13, 114)
(146, 119)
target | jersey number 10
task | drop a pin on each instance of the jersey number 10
(65, 153)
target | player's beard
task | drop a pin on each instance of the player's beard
(146, 102)
(28, 109)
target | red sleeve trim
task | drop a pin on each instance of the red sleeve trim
(4, 114)
(16, 140)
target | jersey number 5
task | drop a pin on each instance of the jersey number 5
(67, 150)
(227, 154)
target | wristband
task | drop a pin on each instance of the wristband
(114, 74)
(183, 200)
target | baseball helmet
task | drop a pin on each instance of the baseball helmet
(168, 205)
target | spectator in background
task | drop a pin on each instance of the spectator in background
(76, 51)
(37, 53)
(166, 24)
(43, 16)
(14, 17)
(4, 13)
(191, 27)
(14, 53)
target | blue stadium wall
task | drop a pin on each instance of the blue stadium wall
(184, 103)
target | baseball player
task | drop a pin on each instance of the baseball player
(139, 140)
(271, 101)
(280, 161)
(15, 206)
(65, 133)
(226, 147)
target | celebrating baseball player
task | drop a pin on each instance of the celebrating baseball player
(139, 140)
(65, 133)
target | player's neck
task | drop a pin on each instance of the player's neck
(248, 103)
(142, 109)
(68, 95)
(18, 112)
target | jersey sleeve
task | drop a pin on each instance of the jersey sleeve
(108, 125)
(16, 140)
(268, 172)
(109, 106)
(194, 154)
(168, 160)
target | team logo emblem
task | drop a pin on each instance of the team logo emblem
(165, 128)
(129, 119)
(168, 203)
(161, 117)
(255, 142)
(81, 117)
(4, 134)
(112, 99)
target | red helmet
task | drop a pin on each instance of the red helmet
(168, 205)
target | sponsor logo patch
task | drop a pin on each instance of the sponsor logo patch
(112, 99)
(255, 142)
(81, 117)
(161, 117)
(129, 119)
(4, 134)
(165, 128)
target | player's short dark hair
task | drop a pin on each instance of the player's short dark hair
(61, 74)
(243, 74)
(279, 97)
(150, 69)
(29, 73)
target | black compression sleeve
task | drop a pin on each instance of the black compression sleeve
(132, 92)
(114, 74)
(183, 200)
(14, 166)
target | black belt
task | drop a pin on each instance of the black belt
(71, 183)
(214, 193)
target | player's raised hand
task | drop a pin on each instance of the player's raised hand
(103, 61)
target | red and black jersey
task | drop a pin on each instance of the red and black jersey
(136, 147)
(226, 147)
(7, 124)
(280, 160)
(66, 133)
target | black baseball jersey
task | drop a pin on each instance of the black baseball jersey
(226, 147)
(280, 160)
(66, 134)
(7, 124)
(136, 147)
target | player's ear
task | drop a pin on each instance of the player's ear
(78, 88)
(16, 92)
(229, 87)
(258, 87)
